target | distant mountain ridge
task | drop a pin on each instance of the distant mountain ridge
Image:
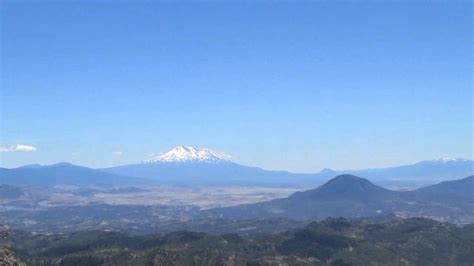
(435, 170)
(61, 174)
(186, 165)
(214, 173)
(462, 189)
(189, 166)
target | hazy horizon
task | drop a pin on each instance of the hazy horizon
(230, 158)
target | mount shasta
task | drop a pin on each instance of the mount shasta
(186, 165)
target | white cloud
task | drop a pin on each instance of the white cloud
(18, 148)
(117, 153)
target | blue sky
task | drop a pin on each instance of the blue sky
(281, 85)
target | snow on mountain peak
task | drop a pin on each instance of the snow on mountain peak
(449, 159)
(183, 153)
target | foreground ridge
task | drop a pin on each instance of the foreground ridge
(334, 241)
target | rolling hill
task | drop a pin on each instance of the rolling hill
(334, 241)
(463, 188)
(413, 175)
(352, 196)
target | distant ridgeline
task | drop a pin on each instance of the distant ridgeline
(185, 165)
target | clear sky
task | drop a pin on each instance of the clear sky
(282, 85)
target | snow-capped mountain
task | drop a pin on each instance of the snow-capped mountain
(448, 160)
(186, 165)
(188, 154)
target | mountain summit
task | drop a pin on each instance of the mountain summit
(352, 196)
(347, 187)
(186, 165)
(183, 153)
